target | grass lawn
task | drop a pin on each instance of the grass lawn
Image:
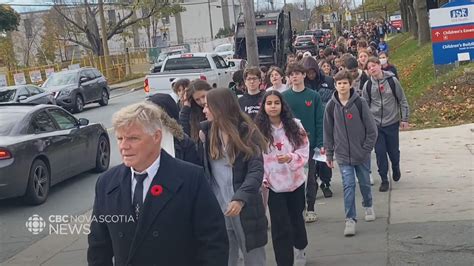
(434, 102)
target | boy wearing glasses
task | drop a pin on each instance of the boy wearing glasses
(251, 100)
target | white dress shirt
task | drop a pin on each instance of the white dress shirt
(151, 171)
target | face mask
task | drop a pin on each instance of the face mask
(383, 61)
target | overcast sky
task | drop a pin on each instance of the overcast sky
(310, 3)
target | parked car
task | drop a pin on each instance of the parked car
(75, 88)
(42, 145)
(305, 43)
(226, 50)
(320, 37)
(26, 94)
(206, 66)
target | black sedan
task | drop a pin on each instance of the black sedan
(26, 94)
(42, 145)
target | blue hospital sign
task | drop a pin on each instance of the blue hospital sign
(452, 34)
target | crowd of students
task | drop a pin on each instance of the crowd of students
(255, 139)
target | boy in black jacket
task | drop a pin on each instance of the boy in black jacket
(252, 99)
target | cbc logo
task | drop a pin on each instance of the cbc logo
(35, 224)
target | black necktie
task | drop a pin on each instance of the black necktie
(138, 194)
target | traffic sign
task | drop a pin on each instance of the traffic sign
(452, 34)
(334, 17)
(348, 15)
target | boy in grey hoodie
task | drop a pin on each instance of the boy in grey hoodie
(347, 112)
(390, 110)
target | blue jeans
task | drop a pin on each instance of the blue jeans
(348, 173)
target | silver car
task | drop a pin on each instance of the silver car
(26, 94)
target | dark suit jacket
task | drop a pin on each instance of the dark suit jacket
(182, 226)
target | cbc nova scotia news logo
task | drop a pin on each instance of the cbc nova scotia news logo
(71, 224)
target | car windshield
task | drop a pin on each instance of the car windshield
(58, 79)
(7, 95)
(223, 48)
(8, 119)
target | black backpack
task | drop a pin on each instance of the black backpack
(368, 88)
(331, 104)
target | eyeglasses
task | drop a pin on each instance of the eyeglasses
(251, 79)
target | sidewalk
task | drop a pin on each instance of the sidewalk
(133, 84)
(426, 218)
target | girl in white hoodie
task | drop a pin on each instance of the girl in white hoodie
(284, 176)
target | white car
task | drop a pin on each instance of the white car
(226, 50)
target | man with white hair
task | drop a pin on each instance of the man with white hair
(152, 208)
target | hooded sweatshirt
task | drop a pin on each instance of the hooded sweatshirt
(250, 104)
(322, 84)
(285, 177)
(347, 135)
(383, 104)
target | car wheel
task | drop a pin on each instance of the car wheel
(102, 160)
(104, 100)
(38, 183)
(78, 104)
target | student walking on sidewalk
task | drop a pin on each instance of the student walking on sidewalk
(233, 164)
(306, 105)
(387, 102)
(284, 176)
(350, 134)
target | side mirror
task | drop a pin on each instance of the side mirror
(22, 98)
(231, 64)
(83, 122)
(83, 79)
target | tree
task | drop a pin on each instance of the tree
(90, 28)
(7, 53)
(422, 21)
(9, 19)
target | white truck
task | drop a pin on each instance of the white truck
(206, 66)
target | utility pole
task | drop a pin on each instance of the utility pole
(210, 19)
(105, 45)
(306, 15)
(250, 33)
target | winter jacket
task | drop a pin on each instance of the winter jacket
(391, 68)
(322, 84)
(348, 135)
(247, 177)
(184, 148)
(384, 105)
(285, 177)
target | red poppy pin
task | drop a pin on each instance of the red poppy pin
(279, 145)
(349, 116)
(156, 190)
(308, 103)
(381, 88)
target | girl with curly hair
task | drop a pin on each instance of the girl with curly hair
(284, 176)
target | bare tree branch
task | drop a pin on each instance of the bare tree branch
(68, 19)
(77, 42)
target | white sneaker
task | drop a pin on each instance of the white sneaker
(350, 229)
(310, 217)
(371, 180)
(300, 257)
(369, 214)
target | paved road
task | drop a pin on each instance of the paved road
(72, 197)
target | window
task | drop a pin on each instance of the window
(112, 17)
(89, 74)
(96, 73)
(23, 92)
(34, 90)
(217, 62)
(182, 63)
(222, 61)
(64, 120)
(41, 123)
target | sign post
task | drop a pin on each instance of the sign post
(452, 35)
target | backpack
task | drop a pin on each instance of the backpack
(358, 103)
(368, 88)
